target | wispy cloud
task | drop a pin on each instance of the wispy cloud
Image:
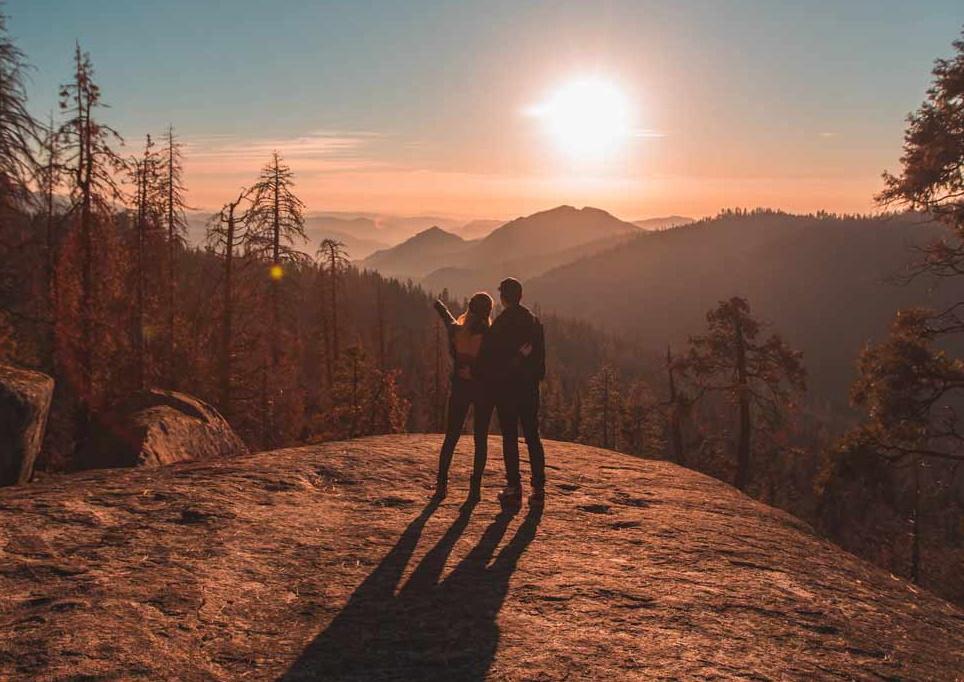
(647, 133)
(316, 151)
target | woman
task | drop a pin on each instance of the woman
(465, 342)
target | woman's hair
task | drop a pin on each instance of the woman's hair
(477, 318)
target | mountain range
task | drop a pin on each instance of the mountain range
(825, 283)
(524, 247)
(362, 233)
(417, 256)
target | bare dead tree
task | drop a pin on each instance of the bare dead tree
(48, 181)
(92, 166)
(144, 177)
(172, 193)
(227, 233)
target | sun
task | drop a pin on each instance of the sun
(587, 118)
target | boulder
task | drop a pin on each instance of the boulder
(24, 405)
(159, 427)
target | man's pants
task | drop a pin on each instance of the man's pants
(515, 406)
(462, 395)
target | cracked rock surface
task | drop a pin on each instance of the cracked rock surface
(329, 562)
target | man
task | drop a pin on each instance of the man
(513, 379)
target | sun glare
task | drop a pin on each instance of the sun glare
(587, 118)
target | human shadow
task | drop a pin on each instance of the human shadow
(428, 630)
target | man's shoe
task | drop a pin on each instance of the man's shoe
(511, 494)
(538, 497)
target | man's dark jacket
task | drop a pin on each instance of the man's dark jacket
(504, 368)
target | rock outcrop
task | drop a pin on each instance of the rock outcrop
(160, 427)
(25, 398)
(328, 562)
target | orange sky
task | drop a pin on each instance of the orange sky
(428, 107)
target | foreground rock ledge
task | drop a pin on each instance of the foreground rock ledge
(325, 563)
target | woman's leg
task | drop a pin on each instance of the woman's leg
(481, 418)
(458, 406)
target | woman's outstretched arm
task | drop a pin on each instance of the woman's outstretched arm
(444, 313)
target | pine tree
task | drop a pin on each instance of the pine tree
(601, 410)
(19, 131)
(364, 400)
(641, 423)
(350, 395)
(388, 410)
(756, 375)
(909, 391)
(909, 386)
(333, 260)
(276, 221)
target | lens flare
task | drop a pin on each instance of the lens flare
(276, 272)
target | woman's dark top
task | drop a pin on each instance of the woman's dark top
(464, 346)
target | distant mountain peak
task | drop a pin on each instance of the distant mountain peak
(417, 255)
(434, 233)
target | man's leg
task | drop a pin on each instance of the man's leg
(508, 411)
(529, 417)
(458, 406)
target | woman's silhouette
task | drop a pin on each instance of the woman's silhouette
(465, 341)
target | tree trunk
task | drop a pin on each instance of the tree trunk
(380, 324)
(265, 409)
(171, 254)
(605, 433)
(915, 526)
(50, 251)
(353, 429)
(675, 418)
(227, 314)
(325, 330)
(87, 257)
(140, 359)
(437, 396)
(333, 265)
(743, 394)
(275, 274)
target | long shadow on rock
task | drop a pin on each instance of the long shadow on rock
(429, 630)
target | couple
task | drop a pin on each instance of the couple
(496, 365)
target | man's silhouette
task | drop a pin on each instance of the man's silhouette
(513, 380)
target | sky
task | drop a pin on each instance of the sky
(463, 108)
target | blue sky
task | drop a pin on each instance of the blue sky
(416, 106)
